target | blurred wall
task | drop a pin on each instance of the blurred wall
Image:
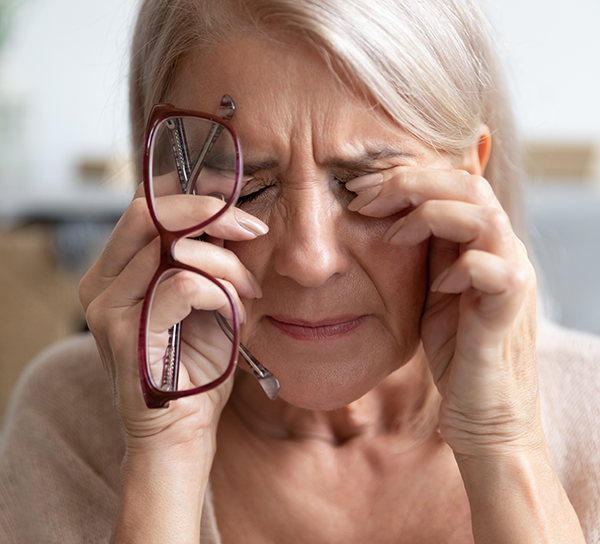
(67, 61)
(552, 50)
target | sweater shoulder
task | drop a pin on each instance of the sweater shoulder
(66, 389)
(569, 369)
(61, 450)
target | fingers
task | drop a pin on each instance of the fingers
(130, 287)
(473, 250)
(220, 263)
(181, 292)
(179, 212)
(501, 284)
(381, 195)
(474, 226)
(136, 230)
(446, 204)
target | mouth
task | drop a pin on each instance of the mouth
(326, 329)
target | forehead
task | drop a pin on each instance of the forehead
(285, 96)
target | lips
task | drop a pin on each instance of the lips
(326, 329)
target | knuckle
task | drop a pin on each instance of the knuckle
(95, 317)
(499, 223)
(429, 209)
(481, 190)
(185, 283)
(405, 177)
(520, 276)
(137, 212)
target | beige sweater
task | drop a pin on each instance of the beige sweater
(62, 445)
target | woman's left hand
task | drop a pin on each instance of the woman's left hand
(478, 325)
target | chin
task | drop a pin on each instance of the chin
(322, 400)
(328, 386)
(330, 375)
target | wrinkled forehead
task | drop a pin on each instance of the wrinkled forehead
(287, 95)
(251, 65)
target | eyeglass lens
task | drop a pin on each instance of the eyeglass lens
(195, 156)
(186, 347)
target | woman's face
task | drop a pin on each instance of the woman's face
(341, 309)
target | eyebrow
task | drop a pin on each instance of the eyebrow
(365, 159)
(251, 167)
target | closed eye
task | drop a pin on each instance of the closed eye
(345, 176)
(256, 190)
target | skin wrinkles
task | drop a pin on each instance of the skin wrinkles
(333, 446)
(319, 259)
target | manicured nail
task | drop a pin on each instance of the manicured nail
(391, 232)
(250, 223)
(255, 285)
(439, 280)
(361, 183)
(364, 198)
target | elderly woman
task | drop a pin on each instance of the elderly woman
(362, 262)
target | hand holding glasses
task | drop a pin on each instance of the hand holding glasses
(186, 351)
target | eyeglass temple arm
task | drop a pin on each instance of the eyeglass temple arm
(170, 373)
(265, 377)
(226, 111)
(180, 150)
(187, 175)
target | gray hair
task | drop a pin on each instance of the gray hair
(431, 65)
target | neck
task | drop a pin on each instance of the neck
(405, 403)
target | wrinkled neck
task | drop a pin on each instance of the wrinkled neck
(405, 403)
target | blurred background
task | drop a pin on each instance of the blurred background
(65, 179)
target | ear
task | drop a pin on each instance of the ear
(476, 157)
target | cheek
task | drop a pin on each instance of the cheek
(254, 255)
(401, 279)
(399, 274)
(390, 282)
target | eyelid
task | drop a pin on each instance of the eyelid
(348, 176)
(258, 184)
(229, 174)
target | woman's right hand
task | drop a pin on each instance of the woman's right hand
(112, 293)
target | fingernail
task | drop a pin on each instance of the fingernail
(361, 183)
(255, 285)
(391, 232)
(250, 223)
(364, 198)
(439, 280)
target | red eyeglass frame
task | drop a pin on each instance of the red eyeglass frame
(153, 396)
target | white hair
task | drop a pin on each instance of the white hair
(431, 65)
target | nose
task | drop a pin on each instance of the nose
(310, 248)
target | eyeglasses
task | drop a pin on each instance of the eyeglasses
(182, 350)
